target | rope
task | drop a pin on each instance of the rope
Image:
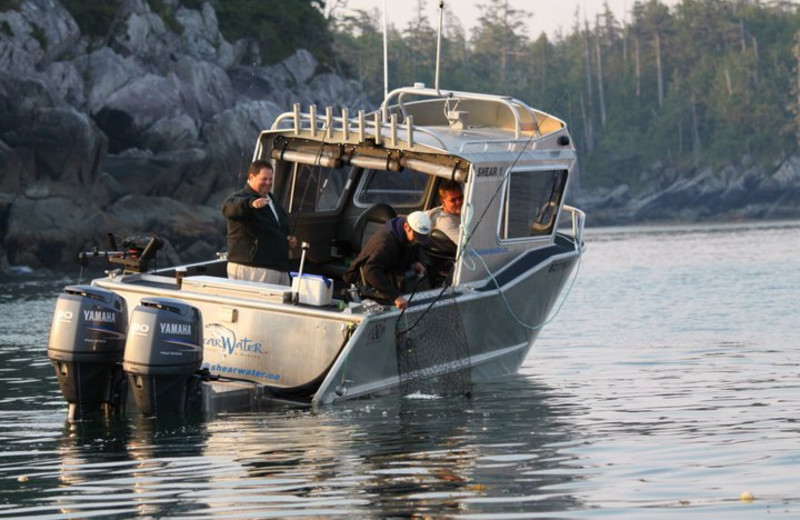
(467, 236)
(508, 305)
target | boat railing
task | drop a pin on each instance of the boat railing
(500, 145)
(346, 129)
(578, 220)
(513, 105)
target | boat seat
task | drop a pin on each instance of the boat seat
(440, 246)
(441, 253)
(367, 223)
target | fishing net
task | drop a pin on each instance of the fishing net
(432, 350)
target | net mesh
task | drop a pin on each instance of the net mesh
(432, 350)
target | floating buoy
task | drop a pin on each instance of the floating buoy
(746, 496)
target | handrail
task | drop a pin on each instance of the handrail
(486, 144)
(506, 101)
(578, 218)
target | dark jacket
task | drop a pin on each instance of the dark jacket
(386, 255)
(255, 238)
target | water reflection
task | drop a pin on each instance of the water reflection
(496, 452)
(399, 457)
(667, 382)
(132, 466)
(88, 452)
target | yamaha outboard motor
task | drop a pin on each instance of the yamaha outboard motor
(87, 340)
(163, 351)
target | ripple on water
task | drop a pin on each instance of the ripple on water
(665, 387)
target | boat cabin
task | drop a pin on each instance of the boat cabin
(342, 177)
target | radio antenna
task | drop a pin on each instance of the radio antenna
(438, 44)
(385, 55)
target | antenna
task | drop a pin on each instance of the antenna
(385, 55)
(438, 44)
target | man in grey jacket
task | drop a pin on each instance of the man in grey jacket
(258, 230)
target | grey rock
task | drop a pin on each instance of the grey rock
(145, 36)
(39, 32)
(205, 88)
(162, 175)
(12, 167)
(335, 91)
(300, 66)
(67, 82)
(106, 72)
(60, 142)
(231, 134)
(48, 231)
(147, 133)
(201, 38)
(184, 224)
(137, 105)
(175, 133)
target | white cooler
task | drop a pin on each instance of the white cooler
(315, 289)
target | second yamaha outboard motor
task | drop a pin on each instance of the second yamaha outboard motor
(87, 340)
(163, 351)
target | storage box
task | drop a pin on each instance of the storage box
(315, 289)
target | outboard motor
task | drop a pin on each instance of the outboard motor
(163, 351)
(87, 341)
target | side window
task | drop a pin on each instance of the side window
(531, 203)
(315, 188)
(398, 189)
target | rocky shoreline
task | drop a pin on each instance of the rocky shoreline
(731, 194)
(147, 133)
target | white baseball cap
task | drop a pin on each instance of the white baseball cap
(420, 222)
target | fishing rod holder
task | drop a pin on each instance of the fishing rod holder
(135, 255)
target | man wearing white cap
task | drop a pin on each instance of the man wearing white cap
(389, 253)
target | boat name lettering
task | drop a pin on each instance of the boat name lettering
(229, 343)
(488, 171)
(558, 266)
(184, 329)
(103, 316)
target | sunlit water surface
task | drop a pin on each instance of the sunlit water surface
(666, 386)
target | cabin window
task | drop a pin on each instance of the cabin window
(315, 188)
(532, 200)
(398, 189)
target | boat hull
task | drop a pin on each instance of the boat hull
(321, 355)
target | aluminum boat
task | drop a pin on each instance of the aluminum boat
(186, 337)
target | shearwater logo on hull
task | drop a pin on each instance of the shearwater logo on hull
(101, 316)
(226, 340)
(183, 329)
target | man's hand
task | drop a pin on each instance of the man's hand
(292, 240)
(418, 268)
(401, 303)
(259, 203)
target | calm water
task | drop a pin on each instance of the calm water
(666, 386)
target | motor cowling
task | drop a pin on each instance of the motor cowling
(163, 352)
(86, 345)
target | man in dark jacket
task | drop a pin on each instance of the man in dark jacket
(258, 230)
(389, 253)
